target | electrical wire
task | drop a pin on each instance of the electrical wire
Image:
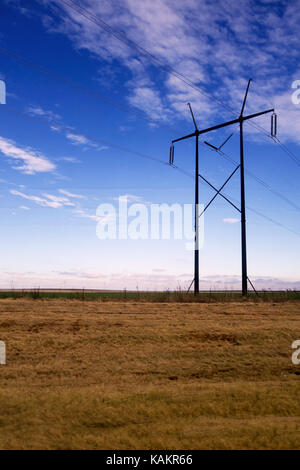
(68, 82)
(261, 182)
(59, 125)
(121, 37)
(81, 87)
(78, 86)
(125, 149)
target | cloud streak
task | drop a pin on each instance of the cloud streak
(86, 215)
(82, 140)
(39, 111)
(49, 200)
(230, 220)
(216, 50)
(25, 160)
(71, 195)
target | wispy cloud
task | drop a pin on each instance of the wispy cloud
(48, 200)
(216, 50)
(231, 220)
(28, 161)
(39, 111)
(79, 139)
(150, 101)
(128, 198)
(85, 214)
(70, 159)
(72, 195)
(63, 201)
(56, 125)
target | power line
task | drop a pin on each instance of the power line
(288, 151)
(253, 176)
(273, 221)
(121, 37)
(78, 86)
(73, 84)
(189, 175)
(279, 224)
(57, 124)
(125, 149)
(261, 182)
(133, 152)
(240, 120)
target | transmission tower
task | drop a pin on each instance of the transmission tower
(240, 120)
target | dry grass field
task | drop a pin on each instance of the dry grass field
(141, 375)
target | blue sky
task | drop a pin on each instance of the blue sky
(78, 99)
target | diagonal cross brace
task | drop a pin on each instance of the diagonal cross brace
(190, 285)
(253, 287)
(218, 191)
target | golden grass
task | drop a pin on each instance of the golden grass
(130, 375)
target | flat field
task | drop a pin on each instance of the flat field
(149, 375)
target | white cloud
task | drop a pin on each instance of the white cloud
(79, 139)
(63, 201)
(25, 208)
(55, 128)
(32, 161)
(217, 48)
(150, 101)
(38, 111)
(70, 159)
(83, 213)
(72, 195)
(47, 201)
(231, 220)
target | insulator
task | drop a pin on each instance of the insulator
(274, 125)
